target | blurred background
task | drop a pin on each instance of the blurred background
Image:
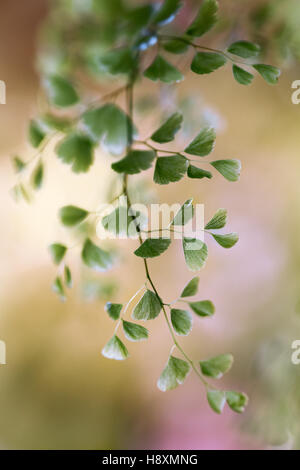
(57, 391)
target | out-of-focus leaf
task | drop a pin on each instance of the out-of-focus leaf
(76, 149)
(72, 215)
(207, 62)
(108, 125)
(117, 61)
(217, 366)
(96, 258)
(36, 133)
(60, 91)
(68, 277)
(38, 175)
(205, 19)
(167, 12)
(162, 70)
(175, 46)
(58, 288)
(115, 349)
(57, 252)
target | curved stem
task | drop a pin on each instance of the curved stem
(129, 99)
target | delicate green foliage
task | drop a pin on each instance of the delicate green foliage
(134, 332)
(38, 175)
(230, 169)
(57, 252)
(176, 46)
(242, 76)
(19, 165)
(203, 143)
(218, 220)
(173, 374)
(153, 247)
(135, 162)
(205, 19)
(167, 12)
(216, 400)
(217, 366)
(96, 258)
(123, 220)
(36, 134)
(269, 73)
(115, 349)
(198, 173)
(207, 62)
(113, 310)
(167, 131)
(72, 215)
(195, 253)
(244, 49)
(203, 308)
(60, 91)
(191, 288)
(236, 401)
(170, 169)
(181, 321)
(162, 70)
(68, 277)
(226, 241)
(109, 126)
(117, 61)
(76, 149)
(148, 307)
(185, 213)
(58, 288)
